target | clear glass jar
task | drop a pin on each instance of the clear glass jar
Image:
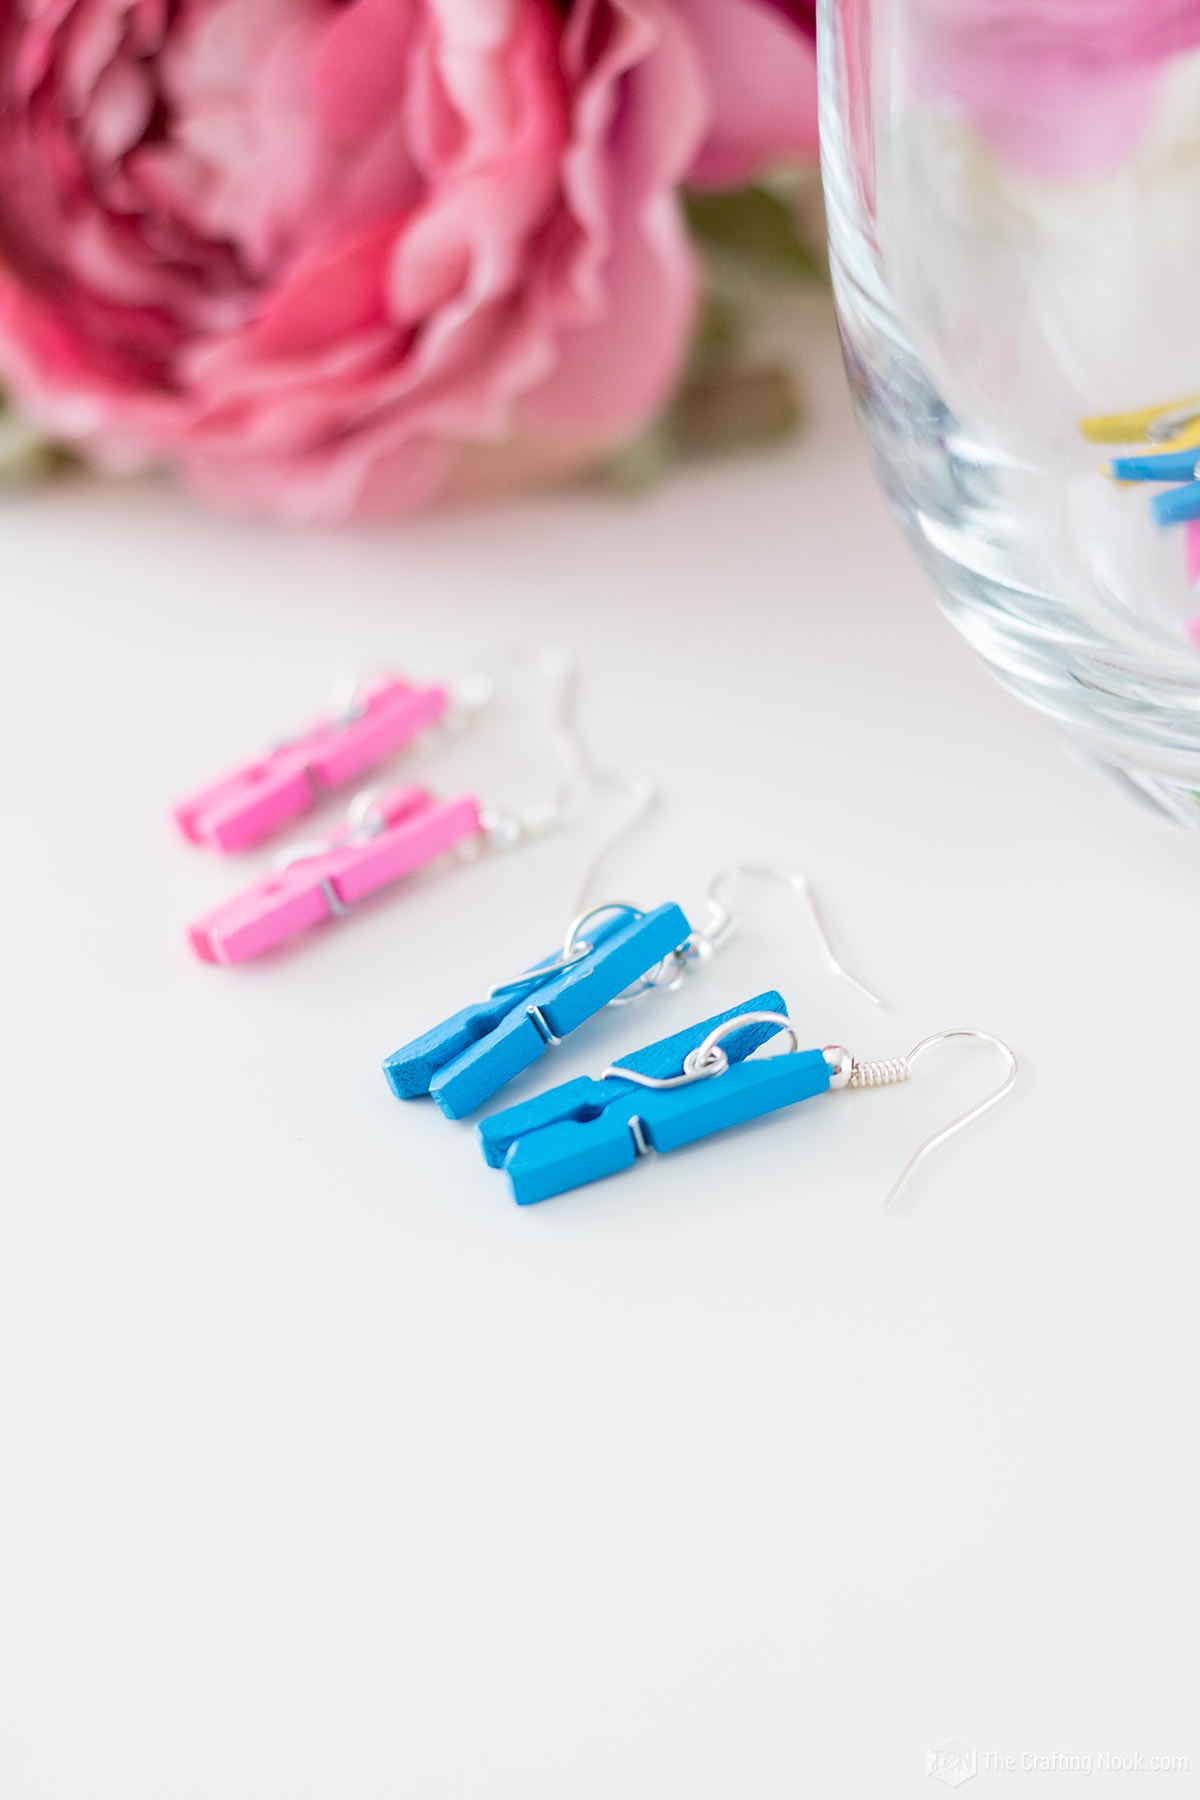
(1013, 190)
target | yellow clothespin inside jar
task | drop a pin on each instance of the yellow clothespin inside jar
(1173, 425)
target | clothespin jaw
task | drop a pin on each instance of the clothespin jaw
(466, 1060)
(412, 1070)
(399, 833)
(256, 799)
(586, 1130)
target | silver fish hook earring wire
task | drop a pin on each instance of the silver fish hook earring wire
(849, 1073)
(584, 776)
(723, 920)
(706, 940)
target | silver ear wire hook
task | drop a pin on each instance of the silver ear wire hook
(706, 940)
(723, 921)
(584, 776)
(558, 667)
(643, 793)
(847, 1073)
(969, 1117)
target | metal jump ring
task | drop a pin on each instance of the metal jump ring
(707, 1059)
(664, 977)
(570, 942)
(574, 950)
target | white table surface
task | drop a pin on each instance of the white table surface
(328, 1472)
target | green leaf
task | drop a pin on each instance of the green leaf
(756, 225)
(640, 466)
(718, 338)
(738, 409)
(25, 455)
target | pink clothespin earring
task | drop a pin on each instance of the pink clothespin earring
(368, 721)
(389, 835)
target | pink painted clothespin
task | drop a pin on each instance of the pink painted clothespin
(381, 716)
(1192, 550)
(384, 839)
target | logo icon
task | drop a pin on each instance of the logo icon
(950, 1761)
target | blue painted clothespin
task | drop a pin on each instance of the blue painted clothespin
(1160, 465)
(689, 1087)
(471, 1056)
(659, 1098)
(1178, 502)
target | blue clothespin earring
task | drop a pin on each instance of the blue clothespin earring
(692, 1086)
(612, 955)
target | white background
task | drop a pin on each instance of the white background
(330, 1473)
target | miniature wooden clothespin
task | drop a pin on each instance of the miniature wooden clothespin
(477, 1051)
(586, 1129)
(382, 841)
(1172, 425)
(690, 1087)
(379, 717)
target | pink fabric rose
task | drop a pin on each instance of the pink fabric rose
(1061, 88)
(328, 258)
